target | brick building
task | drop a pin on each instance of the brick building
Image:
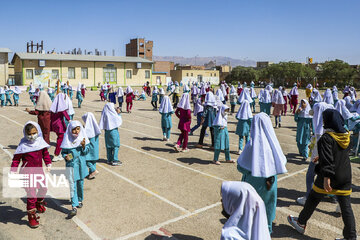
(139, 47)
(164, 66)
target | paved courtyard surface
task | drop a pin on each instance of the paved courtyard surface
(157, 189)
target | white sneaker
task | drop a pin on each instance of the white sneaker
(301, 200)
(338, 209)
(294, 222)
(56, 158)
(164, 138)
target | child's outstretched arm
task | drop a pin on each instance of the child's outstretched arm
(15, 162)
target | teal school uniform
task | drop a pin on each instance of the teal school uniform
(2, 99)
(76, 172)
(112, 142)
(221, 142)
(303, 135)
(79, 97)
(268, 196)
(166, 124)
(16, 98)
(93, 154)
(8, 97)
(243, 130)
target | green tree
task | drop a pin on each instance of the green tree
(242, 74)
(336, 72)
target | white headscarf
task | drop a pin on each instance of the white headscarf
(247, 212)
(244, 112)
(203, 90)
(260, 95)
(305, 113)
(233, 91)
(184, 102)
(269, 88)
(335, 95)
(109, 117)
(219, 93)
(328, 98)
(318, 109)
(278, 97)
(70, 109)
(335, 88)
(198, 107)
(309, 86)
(186, 88)
(294, 91)
(73, 142)
(156, 91)
(223, 89)
(266, 97)
(120, 92)
(2, 91)
(161, 91)
(221, 117)
(44, 102)
(315, 95)
(263, 155)
(92, 129)
(128, 90)
(31, 88)
(79, 87)
(26, 146)
(252, 93)
(348, 102)
(59, 104)
(17, 90)
(244, 95)
(50, 90)
(165, 105)
(355, 107)
(342, 109)
(210, 99)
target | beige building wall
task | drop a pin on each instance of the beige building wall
(4, 71)
(159, 78)
(95, 72)
(194, 76)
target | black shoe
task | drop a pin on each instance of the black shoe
(80, 205)
(279, 125)
(73, 212)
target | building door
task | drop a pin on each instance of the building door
(110, 75)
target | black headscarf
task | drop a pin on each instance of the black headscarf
(333, 120)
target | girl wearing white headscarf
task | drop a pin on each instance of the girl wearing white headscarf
(32, 151)
(51, 93)
(328, 97)
(315, 97)
(79, 96)
(59, 116)
(220, 95)
(221, 135)
(166, 110)
(93, 131)
(75, 147)
(110, 121)
(244, 117)
(261, 161)
(2, 96)
(161, 94)
(318, 130)
(286, 98)
(278, 104)
(183, 112)
(198, 112)
(245, 211)
(207, 119)
(294, 94)
(245, 95)
(16, 94)
(120, 97)
(303, 131)
(129, 98)
(265, 102)
(42, 111)
(70, 92)
(154, 98)
(142, 96)
(335, 94)
(253, 96)
(233, 99)
(8, 93)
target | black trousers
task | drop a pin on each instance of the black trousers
(232, 108)
(314, 199)
(202, 135)
(154, 104)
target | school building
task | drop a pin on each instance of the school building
(195, 74)
(4, 66)
(91, 70)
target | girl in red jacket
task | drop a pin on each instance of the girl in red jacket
(183, 112)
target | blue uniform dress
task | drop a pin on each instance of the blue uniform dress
(32, 98)
(2, 99)
(154, 99)
(76, 172)
(268, 196)
(166, 124)
(221, 142)
(16, 98)
(253, 104)
(112, 142)
(79, 97)
(93, 154)
(142, 97)
(8, 97)
(303, 135)
(209, 116)
(266, 108)
(243, 130)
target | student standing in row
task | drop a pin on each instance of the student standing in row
(303, 131)
(16, 95)
(244, 117)
(166, 110)
(120, 96)
(79, 96)
(129, 99)
(183, 112)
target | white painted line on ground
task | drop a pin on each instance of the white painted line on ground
(77, 221)
(320, 225)
(292, 174)
(156, 227)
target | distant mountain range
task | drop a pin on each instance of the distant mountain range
(204, 60)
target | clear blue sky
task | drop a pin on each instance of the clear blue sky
(274, 30)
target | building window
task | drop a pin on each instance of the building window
(147, 73)
(29, 74)
(192, 74)
(214, 74)
(187, 74)
(55, 74)
(110, 75)
(128, 74)
(84, 73)
(210, 74)
(71, 73)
